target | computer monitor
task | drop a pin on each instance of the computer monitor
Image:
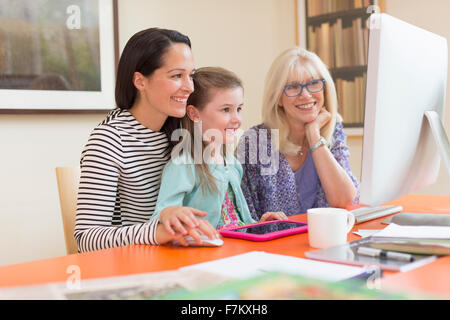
(404, 139)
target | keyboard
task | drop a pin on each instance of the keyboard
(369, 213)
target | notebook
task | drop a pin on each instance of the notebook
(419, 219)
(413, 239)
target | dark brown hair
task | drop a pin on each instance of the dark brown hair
(144, 53)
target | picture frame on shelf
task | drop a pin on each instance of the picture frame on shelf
(58, 56)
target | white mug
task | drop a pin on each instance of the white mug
(329, 227)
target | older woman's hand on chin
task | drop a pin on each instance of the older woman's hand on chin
(312, 128)
(337, 185)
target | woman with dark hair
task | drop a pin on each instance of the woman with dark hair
(122, 161)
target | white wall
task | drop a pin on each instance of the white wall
(244, 36)
(31, 147)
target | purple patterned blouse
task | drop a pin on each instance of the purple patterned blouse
(272, 186)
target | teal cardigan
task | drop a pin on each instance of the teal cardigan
(180, 187)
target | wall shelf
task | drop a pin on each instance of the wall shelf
(353, 13)
(338, 34)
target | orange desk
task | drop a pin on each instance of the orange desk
(432, 278)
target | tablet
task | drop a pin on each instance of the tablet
(268, 230)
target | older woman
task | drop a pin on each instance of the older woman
(309, 161)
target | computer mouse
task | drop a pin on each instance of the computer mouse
(206, 242)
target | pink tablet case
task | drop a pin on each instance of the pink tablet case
(264, 237)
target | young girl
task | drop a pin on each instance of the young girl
(209, 178)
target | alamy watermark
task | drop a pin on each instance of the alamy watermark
(255, 147)
(373, 22)
(74, 19)
(373, 282)
(74, 280)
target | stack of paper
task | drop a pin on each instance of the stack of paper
(414, 239)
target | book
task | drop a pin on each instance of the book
(420, 219)
(332, 46)
(415, 246)
(325, 43)
(360, 41)
(363, 214)
(366, 45)
(312, 38)
(347, 44)
(351, 97)
(355, 39)
(413, 239)
(338, 45)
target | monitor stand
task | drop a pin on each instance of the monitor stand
(440, 137)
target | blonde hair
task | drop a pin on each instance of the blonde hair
(206, 81)
(296, 60)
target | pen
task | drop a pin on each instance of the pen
(372, 252)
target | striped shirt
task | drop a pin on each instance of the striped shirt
(121, 168)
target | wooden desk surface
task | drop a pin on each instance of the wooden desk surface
(133, 259)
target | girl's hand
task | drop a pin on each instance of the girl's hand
(273, 216)
(180, 219)
(204, 228)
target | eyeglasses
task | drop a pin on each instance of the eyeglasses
(296, 89)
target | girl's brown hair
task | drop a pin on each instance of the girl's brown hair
(207, 81)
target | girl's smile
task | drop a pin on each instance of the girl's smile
(223, 113)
